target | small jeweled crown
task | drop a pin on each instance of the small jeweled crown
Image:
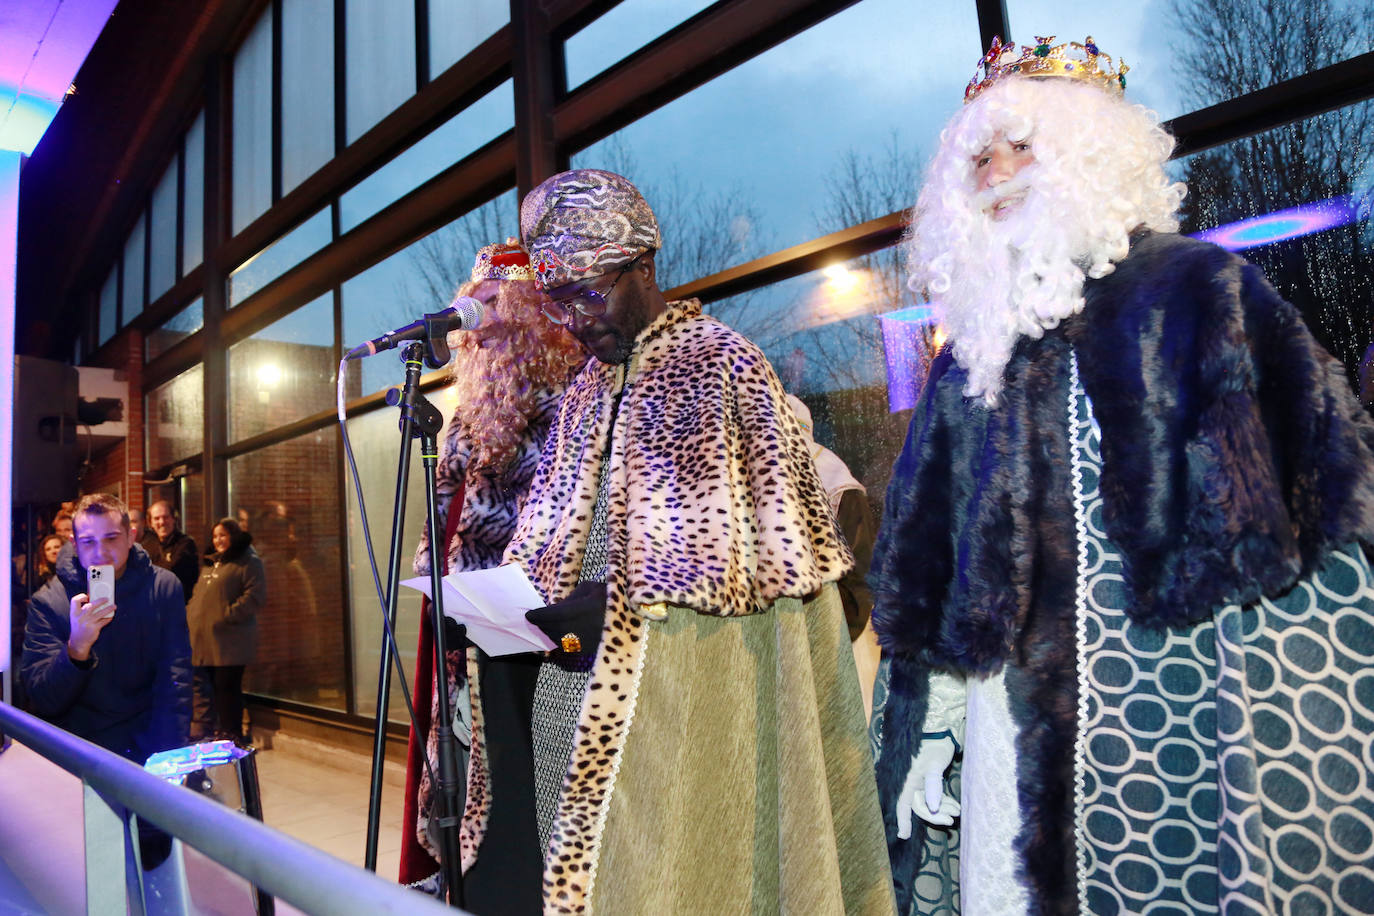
(1070, 60)
(502, 261)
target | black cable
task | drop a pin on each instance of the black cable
(395, 655)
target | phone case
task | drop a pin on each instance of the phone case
(100, 583)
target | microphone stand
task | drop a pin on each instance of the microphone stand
(419, 419)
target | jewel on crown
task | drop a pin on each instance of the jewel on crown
(1070, 60)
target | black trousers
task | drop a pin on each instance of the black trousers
(219, 700)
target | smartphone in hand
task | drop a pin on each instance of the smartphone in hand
(100, 583)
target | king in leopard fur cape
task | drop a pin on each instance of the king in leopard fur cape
(1235, 459)
(721, 761)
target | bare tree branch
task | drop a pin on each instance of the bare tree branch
(1328, 276)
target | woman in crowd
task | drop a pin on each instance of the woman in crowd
(223, 619)
(47, 558)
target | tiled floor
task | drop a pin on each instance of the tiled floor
(319, 795)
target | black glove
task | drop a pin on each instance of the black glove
(574, 624)
(455, 635)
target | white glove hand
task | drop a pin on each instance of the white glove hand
(927, 775)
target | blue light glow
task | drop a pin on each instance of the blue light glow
(23, 120)
(1283, 224)
(918, 314)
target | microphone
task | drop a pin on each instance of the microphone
(464, 314)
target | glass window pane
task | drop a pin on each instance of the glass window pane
(732, 179)
(376, 447)
(192, 246)
(307, 88)
(283, 372)
(133, 271)
(458, 26)
(162, 255)
(288, 494)
(418, 279)
(379, 57)
(252, 166)
(1260, 42)
(1297, 202)
(824, 335)
(279, 257)
(624, 29)
(175, 418)
(484, 120)
(176, 329)
(109, 319)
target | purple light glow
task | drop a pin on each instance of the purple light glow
(9, 221)
(1283, 224)
(904, 347)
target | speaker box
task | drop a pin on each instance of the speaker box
(45, 451)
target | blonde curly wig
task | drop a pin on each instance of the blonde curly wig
(497, 371)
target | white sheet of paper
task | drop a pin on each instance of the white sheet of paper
(492, 603)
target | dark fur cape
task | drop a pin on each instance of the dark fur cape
(1235, 457)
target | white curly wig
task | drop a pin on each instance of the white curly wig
(1098, 175)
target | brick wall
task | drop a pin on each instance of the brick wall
(120, 466)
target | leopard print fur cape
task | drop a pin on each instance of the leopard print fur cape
(714, 506)
(715, 498)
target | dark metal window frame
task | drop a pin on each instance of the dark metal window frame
(550, 124)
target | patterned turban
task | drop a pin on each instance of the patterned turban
(584, 223)
(502, 261)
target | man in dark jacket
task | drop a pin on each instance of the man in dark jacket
(170, 547)
(115, 674)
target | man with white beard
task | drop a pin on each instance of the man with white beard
(1125, 614)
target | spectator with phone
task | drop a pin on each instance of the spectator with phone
(106, 651)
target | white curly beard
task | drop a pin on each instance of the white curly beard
(1098, 174)
(1019, 276)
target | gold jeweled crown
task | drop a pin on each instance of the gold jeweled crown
(502, 261)
(1070, 60)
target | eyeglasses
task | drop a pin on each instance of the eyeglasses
(563, 300)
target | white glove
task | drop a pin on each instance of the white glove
(927, 775)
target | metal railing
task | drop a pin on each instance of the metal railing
(113, 789)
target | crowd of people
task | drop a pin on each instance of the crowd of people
(1123, 549)
(172, 645)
